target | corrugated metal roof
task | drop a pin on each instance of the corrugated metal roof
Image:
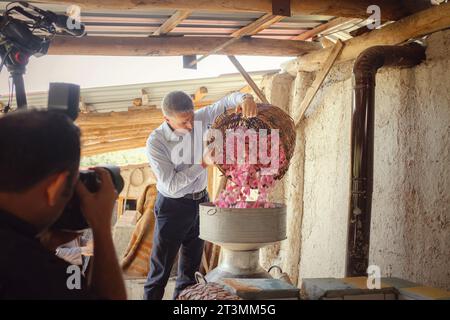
(205, 23)
(143, 23)
(120, 98)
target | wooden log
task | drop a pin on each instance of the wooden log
(425, 22)
(91, 138)
(391, 10)
(132, 118)
(111, 123)
(174, 46)
(126, 144)
(102, 126)
(132, 128)
(118, 129)
(320, 77)
(249, 80)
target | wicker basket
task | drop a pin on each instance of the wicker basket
(269, 117)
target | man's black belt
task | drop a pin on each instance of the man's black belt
(196, 195)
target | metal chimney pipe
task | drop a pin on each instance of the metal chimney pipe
(362, 141)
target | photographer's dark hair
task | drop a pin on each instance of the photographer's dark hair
(35, 144)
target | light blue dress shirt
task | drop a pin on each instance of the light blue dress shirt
(176, 178)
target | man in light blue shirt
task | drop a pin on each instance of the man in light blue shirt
(181, 175)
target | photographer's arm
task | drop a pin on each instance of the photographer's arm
(107, 281)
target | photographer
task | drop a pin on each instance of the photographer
(39, 159)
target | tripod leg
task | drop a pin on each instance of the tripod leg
(21, 97)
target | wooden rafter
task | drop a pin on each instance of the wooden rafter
(392, 10)
(253, 28)
(320, 77)
(173, 46)
(322, 28)
(257, 26)
(172, 22)
(249, 79)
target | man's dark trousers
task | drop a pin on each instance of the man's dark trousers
(176, 228)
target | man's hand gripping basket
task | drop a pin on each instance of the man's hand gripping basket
(269, 117)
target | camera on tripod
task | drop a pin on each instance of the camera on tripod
(31, 36)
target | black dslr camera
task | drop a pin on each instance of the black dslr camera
(64, 97)
(72, 218)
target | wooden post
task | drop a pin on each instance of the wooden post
(320, 77)
(249, 80)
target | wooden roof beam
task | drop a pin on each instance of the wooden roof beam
(175, 46)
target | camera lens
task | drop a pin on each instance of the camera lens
(72, 217)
